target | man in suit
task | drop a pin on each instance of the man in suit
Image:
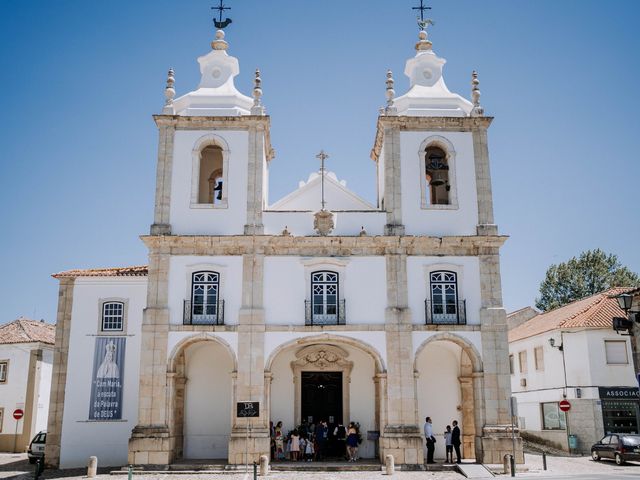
(431, 440)
(455, 440)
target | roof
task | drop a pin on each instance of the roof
(591, 312)
(24, 330)
(135, 271)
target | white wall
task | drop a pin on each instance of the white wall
(209, 221)
(468, 271)
(44, 390)
(13, 392)
(108, 440)
(180, 270)
(345, 223)
(419, 221)
(207, 402)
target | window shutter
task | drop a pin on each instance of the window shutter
(616, 352)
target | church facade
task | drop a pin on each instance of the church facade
(317, 306)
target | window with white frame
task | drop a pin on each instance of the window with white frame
(444, 297)
(4, 371)
(552, 417)
(616, 352)
(324, 296)
(112, 316)
(205, 287)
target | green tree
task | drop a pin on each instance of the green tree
(592, 272)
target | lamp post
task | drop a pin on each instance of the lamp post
(632, 324)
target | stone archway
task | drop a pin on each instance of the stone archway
(454, 388)
(193, 387)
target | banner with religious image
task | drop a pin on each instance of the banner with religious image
(107, 379)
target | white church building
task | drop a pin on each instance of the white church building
(252, 311)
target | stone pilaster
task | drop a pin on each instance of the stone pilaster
(392, 189)
(496, 435)
(486, 223)
(151, 441)
(400, 434)
(250, 436)
(255, 180)
(161, 221)
(59, 373)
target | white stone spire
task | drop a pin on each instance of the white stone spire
(477, 111)
(257, 108)
(169, 93)
(217, 94)
(428, 95)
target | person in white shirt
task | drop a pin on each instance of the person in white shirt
(431, 440)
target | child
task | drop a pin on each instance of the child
(309, 450)
(295, 445)
(449, 445)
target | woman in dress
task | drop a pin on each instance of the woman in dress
(352, 442)
(295, 445)
(279, 438)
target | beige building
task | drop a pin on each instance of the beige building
(26, 357)
(317, 306)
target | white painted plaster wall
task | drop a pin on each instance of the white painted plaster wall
(180, 271)
(468, 271)
(207, 403)
(82, 438)
(438, 390)
(209, 221)
(44, 390)
(13, 392)
(176, 339)
(345, 223)
(362, 394)
(287, 285)
(471, 338)
(419, 221)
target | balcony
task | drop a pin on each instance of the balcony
(203, 315)
(323, 314)
(449, 314)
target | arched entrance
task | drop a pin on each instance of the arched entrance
(448, 372)
(328, 378)
(200, 378)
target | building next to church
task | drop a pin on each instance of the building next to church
(572, 353)
(26, 358)
(305, 308)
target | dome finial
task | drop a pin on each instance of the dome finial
(219, 43)
(169, 92)
(257, 108)
(477, 110)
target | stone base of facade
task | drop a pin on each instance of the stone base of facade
(496, 442)
(151, 446)
(246, 447)
(404, 442)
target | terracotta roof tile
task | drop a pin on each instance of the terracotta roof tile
(24, 330)
(135, 271)
(595, 311)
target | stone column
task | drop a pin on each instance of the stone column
(250, 436)
(151, 441)
(59, 373)
(161, 221)
(392, 189)
(496, 437)
(255, 180)
(400, 434)
(486, 223)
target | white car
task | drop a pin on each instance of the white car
(36, 447)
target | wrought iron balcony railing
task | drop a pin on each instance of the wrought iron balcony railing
(324, 314)
(445, 314)
(197, 314)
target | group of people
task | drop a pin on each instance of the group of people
(310, 442)
(451, 438)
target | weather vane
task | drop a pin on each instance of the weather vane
(422, 22)
(221, 23)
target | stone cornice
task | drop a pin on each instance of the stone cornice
(426, 124)
(324, 246)
(242, 122)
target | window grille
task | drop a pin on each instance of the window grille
(443, 306)
(326, 307)
(205, 306)
(4, 367)
(112, 316)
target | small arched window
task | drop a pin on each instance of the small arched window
(211, 188)
(437, 176)
(205, 301)
(112, 316)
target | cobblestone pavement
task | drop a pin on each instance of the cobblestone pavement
(16, 467)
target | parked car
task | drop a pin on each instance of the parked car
(36, 447)
(617, 446)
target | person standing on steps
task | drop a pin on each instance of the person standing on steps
(448, 444)
(455, 440)
(431, 440)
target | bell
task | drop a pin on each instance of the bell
(218, 188)
(438, 177)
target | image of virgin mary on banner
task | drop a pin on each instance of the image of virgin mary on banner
(107, 379)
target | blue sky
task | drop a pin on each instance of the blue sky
(81, 80)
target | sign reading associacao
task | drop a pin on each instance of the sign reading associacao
(107, 379)
(619, 392)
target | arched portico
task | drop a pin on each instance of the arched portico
(458, 378)
(201, 371)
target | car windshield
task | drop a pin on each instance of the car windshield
(631, 440)
(40, 438)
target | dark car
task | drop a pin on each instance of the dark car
(36, 447)
(617, 446)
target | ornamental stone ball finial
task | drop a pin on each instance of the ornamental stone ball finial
(390, 94)
(257, 108)
(424, 44)
(170, 91)
(477, 110)
(219, 43)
